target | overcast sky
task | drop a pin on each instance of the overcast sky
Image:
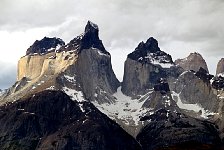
(180, 26)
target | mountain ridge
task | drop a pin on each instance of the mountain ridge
(153, 86)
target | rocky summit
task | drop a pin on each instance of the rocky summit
(220, 68)
(145, 65)
(149, 52)
(67, 97)
(45, 45)
(192, 62)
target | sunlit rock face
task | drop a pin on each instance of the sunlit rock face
(193, 62)
(84, 63)
(220, 67)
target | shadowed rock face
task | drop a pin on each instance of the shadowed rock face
(148, 52)
(168, 127)
(193, 62)
(218, 83)
(50, 120)
(44, 45)
(89, 39)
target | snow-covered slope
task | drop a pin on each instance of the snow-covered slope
(125, 108)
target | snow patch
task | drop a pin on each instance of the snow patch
(163, 65)
(158, 60)
(167, 100)
(124, 108)
(193, 107)
(69, 78)
(81, 107)
(50, 88)
(74, 94)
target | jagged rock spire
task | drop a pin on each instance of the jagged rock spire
(149, 52)
(88, 39)
(91, 27)
(91, 39)
(151, 45)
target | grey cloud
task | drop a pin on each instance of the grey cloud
(178, 25)
(7, 74)
(122, 22)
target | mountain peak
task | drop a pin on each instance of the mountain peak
(194, 62)
(151, 45)
(88, 39)
(45, 45)
(90, 26)
(149, 52)
(92, 29)
(220, 68)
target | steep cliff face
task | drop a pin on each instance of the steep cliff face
(193, 62)
(51, 120)
(220, 67)
(195, 88)
(35, 66)
(145, 66)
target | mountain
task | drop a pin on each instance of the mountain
(192, 62)
(51, 120)
(81, 68)
(220, 66)
(195, 88)
(144, 66)
(159, 104)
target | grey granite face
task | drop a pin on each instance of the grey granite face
(193, 62)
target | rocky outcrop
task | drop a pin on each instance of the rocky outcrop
(193, 62)
(167, 126)
(45, 45)
(89, 39)
(220, 67)
(218, 83)
(167, 129)
(84, 60)
(196, 88)
(149, 52)
(35, 66)
(145, 66)
(94, 73)
(51, 120)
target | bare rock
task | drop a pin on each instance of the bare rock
(193, 62)
(220, 66)
(145, 66)
(45, 45)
